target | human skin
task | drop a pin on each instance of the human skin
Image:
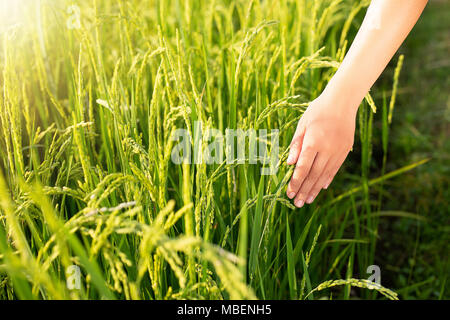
(325, 133)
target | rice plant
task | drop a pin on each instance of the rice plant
(92, 93)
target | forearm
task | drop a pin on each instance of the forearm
(325, 133)
(386, 25)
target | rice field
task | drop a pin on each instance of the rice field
(92, 94)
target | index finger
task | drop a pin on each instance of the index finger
(302, 168)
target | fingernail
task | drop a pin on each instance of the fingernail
(290, 159)
(299, 203)
(310, 200)
(291, 195)
(326, 186)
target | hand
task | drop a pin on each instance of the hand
(322, 140)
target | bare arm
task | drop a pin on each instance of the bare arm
(385, 27)
(325, 133)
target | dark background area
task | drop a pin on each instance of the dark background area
(415, 254)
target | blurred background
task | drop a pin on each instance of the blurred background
(419, 251)
(413, 253)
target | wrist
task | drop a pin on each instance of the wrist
(342, 99)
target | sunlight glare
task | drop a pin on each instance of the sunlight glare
(11, 13)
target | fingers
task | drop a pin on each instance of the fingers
(316, 160)
(334, 170)
(296, 144)
(303, 194)
(326, 177)
(302, 168)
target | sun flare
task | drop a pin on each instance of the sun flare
(11, 13)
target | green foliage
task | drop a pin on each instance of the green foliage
(87, 118)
